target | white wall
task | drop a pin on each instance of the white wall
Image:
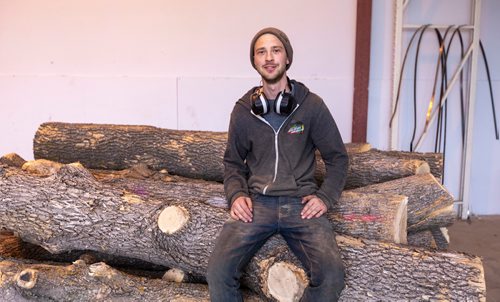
(183, 64)
(485, 191)
(171, 64)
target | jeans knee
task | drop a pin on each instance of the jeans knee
(335, 278)
(331, 273)
(221, 271)
(214, 273)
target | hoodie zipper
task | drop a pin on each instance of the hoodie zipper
(276, 132)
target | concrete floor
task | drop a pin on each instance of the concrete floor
(480, 236)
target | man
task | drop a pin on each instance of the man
(269, 177)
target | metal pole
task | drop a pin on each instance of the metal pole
(469, 121)
(396, 69)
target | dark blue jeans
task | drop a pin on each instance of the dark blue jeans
(311, 240)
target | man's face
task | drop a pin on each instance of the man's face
(270, 58)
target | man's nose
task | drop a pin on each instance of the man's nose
(269, 56)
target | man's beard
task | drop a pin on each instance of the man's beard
(273, 79)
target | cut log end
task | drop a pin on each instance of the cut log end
(174, 275)
(172, 219)
(27, 278)
(423, 169)
(286, 282)
(400, 233)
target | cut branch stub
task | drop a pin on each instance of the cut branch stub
(174, 275)
(172, 219)
(27, 278)
(286, 282)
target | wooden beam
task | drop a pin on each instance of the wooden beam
(361, 71)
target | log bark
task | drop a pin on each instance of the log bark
(411, 274)
(23, 281)
(441, 237)
(434, 238)
(374, 167)
(429, 203)
(422, 239)
(435, 160)
(193, 154)
(12, 159)
(181, 235)
(12, 246)
(357, 147)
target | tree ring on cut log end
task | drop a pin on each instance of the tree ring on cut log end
(172, 219)
(27, 278)
(286, 282)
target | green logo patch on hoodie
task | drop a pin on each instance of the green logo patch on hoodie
(296, 128)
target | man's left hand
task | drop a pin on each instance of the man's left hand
(314, 208)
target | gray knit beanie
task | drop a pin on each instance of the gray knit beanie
(281, 36)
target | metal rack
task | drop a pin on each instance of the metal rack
(470, 59)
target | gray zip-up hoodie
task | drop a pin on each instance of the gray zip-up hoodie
(259, 159)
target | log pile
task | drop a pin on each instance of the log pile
(149, 202)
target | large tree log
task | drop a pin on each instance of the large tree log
(377, 271)
(194, 154)
(411, 274)
(70, 210)
(97, 282)
(372, 216)
(177, 235)
(429, 203)
(374, 272)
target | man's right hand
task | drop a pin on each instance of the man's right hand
(242, 209)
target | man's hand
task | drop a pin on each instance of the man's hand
(242, 209)
(314, 208)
